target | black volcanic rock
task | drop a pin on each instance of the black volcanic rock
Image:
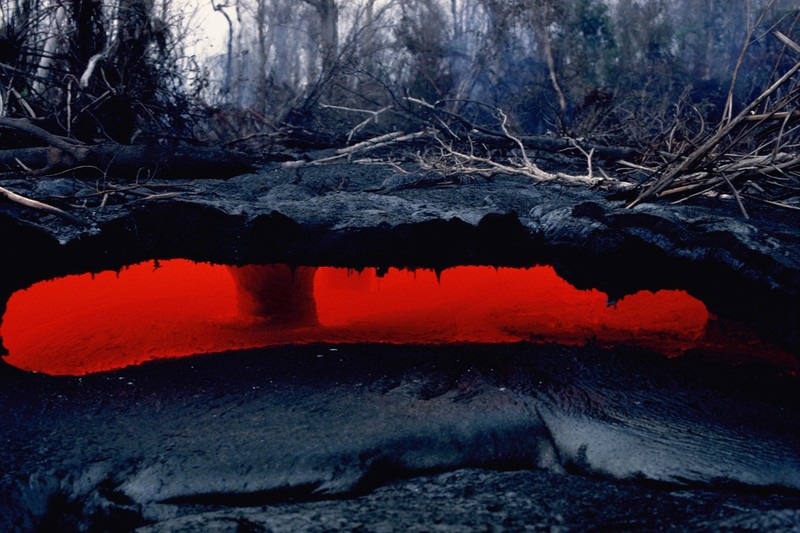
(342, 215)
(299, 438)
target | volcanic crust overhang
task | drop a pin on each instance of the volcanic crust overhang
(356, 215)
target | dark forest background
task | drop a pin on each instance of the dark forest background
(618, 72)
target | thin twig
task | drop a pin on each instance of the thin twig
(772, 202)
(736, 195)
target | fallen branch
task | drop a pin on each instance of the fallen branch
(380, 141)
(779, 115)
(124, 161)
(26, 126)
(710, 156)
(454, 162)
(772, 202)
(36, 204)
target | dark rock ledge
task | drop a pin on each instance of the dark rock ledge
(357, 215)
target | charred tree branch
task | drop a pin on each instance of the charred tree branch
(125, 161)
(35, 204)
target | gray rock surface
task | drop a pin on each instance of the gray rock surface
(283, 439)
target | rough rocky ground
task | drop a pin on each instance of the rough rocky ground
(386, 439)
(378, 437)
(471, 500)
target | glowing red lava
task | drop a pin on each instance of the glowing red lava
(91, 323)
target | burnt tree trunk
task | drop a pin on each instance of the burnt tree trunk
(65, 155)
(130, 162)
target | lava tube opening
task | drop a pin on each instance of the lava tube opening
(98, 322)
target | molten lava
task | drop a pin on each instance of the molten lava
(91, 323)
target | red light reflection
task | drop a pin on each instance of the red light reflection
(91, 323)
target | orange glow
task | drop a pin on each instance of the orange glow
(91, 323)
(485, 304)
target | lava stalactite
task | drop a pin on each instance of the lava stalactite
(91, 323)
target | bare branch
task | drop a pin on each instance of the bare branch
(90, 66)
(788, 42)
(373, 118)
(26, 126)
(706, 148)
(452, 161)
(380, 141)
(35, 204)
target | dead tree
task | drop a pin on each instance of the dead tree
(64, 155)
